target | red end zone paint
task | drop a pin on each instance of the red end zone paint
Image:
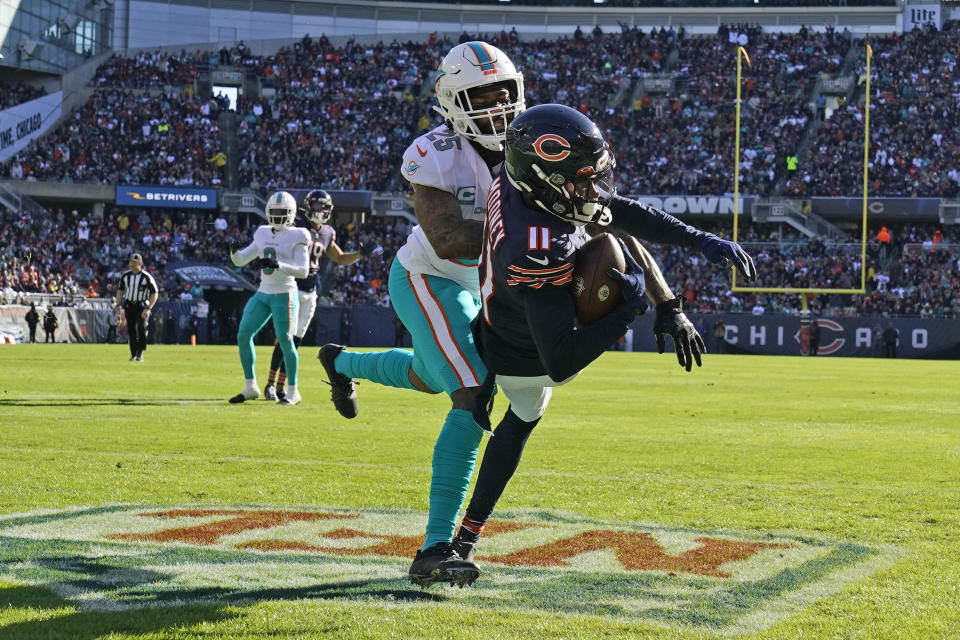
(635, 551)
(127, 556)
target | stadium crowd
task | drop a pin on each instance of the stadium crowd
(14, 94)
(914, 139)
(340, 116)
(356, 106)
(119, 136)
(916, 270)
(71, 255)
(150, 70)
(683, 138)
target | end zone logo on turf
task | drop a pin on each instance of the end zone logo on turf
(123, 556)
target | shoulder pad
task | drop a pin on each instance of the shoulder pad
(425, 163)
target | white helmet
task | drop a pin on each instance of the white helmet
(468, 66)
(281, 210)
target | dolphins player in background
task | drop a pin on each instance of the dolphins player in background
(316, 209)
(283, 254)
(434, 286)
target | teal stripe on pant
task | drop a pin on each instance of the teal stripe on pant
(258, 310)
(454, 456)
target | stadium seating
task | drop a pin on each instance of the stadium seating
(14, 94)
(915, 273)
(339, 117)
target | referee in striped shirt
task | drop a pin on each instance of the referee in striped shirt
(136, 293)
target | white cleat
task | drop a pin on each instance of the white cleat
(270, 393)
(291, 397)
(250, 392)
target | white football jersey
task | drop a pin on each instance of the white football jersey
(289, 247)
(443, 160)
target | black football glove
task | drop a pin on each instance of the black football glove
(671, 321)
(632, 285)
(269, 263)
(234, 247)
(369, 248)
(720, 251)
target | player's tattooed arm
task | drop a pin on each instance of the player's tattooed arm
(438, 214)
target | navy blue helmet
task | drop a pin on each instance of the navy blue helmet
(317, 206)
(558, 159)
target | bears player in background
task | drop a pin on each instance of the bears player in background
(283, 254)
(433, 282)
(557, 178)
(315, 212)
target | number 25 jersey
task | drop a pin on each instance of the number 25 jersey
(443, 160)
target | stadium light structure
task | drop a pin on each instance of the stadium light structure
(29, 48)
(68, 23)
(742, 53)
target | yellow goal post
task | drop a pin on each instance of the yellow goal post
(741, 55)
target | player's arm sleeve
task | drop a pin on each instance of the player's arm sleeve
(245, 255)
(300, 266)
(655, 225)
(565, 350)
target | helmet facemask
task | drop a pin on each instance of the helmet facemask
(319, 212)
(485, 125)
(281, 210)
(279, 218)
(317, 207)
(587, 202)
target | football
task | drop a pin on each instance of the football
(595, 294)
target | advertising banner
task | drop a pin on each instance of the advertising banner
(918, 14)
(24, 122)
(210, 276)
(169, 197)
(847, 336)
(704, 205)
(73, 325)
(907, 208)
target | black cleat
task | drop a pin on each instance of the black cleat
(342, 393)
(237, 399)
(440, 563)
(464, 547)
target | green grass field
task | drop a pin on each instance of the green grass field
(852, 467)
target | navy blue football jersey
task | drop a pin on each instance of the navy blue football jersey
(320, 239)
(524, 251)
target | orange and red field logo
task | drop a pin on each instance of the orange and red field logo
(123, 556)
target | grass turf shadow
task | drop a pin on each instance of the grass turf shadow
(102, 402)
(87, 625)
